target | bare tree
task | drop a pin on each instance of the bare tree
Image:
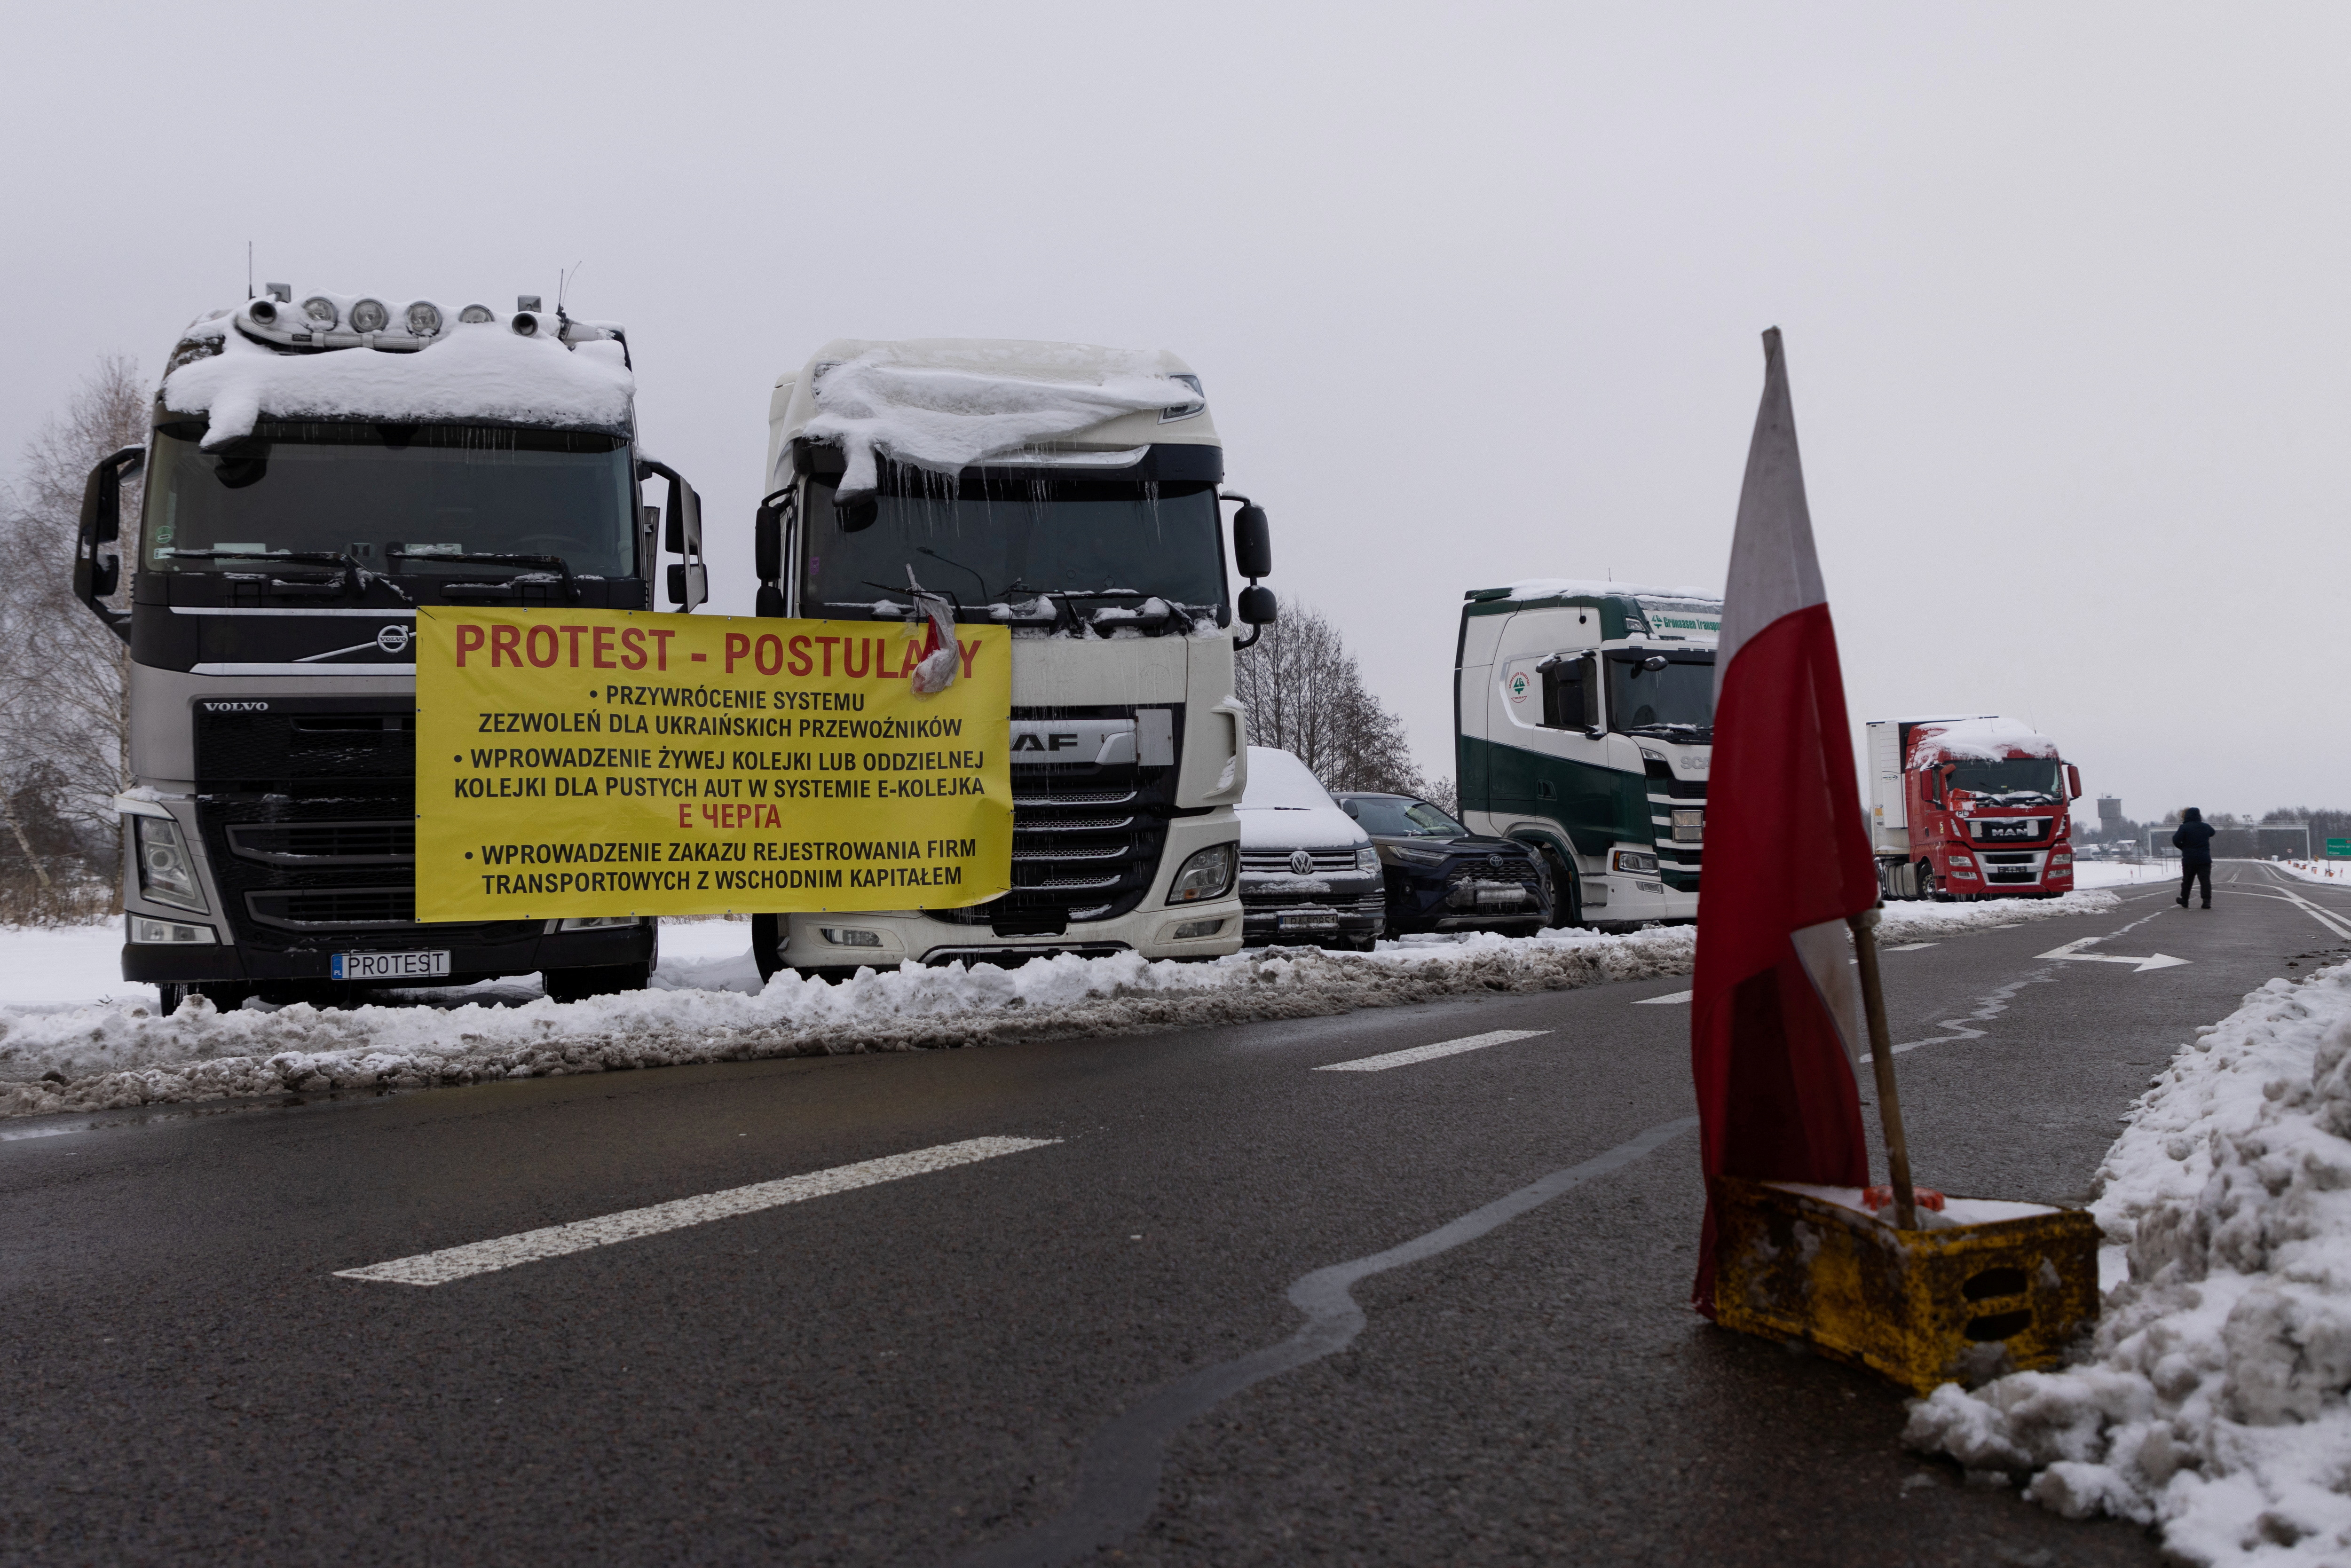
(64, 715)
(1305, 694)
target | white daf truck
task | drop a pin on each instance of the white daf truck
(1070, 493)
(316, 473)
(1584, 724)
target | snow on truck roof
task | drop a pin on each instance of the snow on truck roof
(356, 357)
(1986, 738)
(945, 404)
(1591, 588)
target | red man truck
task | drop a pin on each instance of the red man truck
(1969, 806)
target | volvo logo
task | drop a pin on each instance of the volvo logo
(237, 707)
(1300, 864)
(393, 639)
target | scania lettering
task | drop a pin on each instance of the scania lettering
(1071, 494)
(1970, 807)
(1583, 722)
(316, 475)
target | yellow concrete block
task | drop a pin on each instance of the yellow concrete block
(1959, 1304)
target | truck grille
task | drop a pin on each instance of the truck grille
(1086, 841)
(1678, 843)
(308, 817)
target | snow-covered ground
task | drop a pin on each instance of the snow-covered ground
(2212, 1402)
(2336, 871)
(72, 1038)
(2123, 873)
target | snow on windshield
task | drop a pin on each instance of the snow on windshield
(943, 406)
(482, 371)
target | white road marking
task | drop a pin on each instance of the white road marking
(1431, 1052)
(2071, 952)
(581, 1235)
(1906, 947)
(1665, 1000)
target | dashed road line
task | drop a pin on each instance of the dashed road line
(583, 1235)
(1382, 1062)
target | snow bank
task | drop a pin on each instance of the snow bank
(481, 370)
(943, 405)
(707, 1005)
(2336, 871)
(2212, 1402)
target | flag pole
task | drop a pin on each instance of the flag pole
(1881, 1057)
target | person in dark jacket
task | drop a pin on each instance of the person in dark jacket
(2194, 842)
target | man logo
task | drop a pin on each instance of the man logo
(393, 639)
(1300, 864)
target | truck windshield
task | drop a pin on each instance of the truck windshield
(999, 539)
(2018, 781)
(1674, 702)
(360, 489)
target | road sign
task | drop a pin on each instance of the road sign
(2339, 849)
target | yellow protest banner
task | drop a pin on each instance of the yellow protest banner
(608, 762)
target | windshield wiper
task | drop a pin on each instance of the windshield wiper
(525, 562)
(355, 576)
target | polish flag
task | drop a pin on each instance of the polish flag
(1776, 1032)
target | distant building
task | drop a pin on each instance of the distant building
(2110, 816)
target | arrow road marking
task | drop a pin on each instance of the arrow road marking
(2072, 953)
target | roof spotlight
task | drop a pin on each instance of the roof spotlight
(370, 316)
(423, 319)
(526, 323)
(474, 315)
(322, 310)
(526, 302)
(262, 310)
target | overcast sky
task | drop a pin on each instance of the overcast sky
(1476, 291)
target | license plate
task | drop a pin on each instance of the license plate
(390, 966)
(1310, 920)
(1689, 826)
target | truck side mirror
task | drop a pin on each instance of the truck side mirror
(689, 581)
(1252, 544)
(2073, 782)
(1256, 607)
(101, 524)
(768, 553)
(683, 516)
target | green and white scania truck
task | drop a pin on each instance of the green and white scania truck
(1584, 724)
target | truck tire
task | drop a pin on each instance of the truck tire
(1566, 897)
(1928, 887)
(767, 944)
(601, 981)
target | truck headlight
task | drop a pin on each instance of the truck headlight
(167, 872)
(1634, 861)
(146, 928)
(848, 936)
(1367, 859)
(1207, 873)
(591, 923)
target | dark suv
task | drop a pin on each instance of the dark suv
(1442, 877)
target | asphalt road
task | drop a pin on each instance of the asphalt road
(980, 1364)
